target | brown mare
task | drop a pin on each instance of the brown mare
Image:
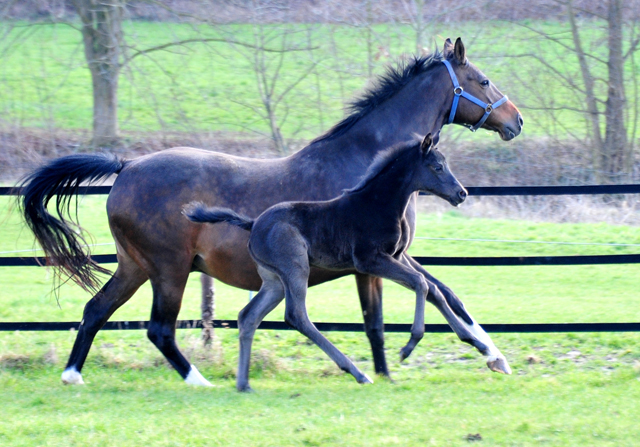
(155, 242)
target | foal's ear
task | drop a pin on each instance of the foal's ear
(460, 52)
(448, 48)
(426, 144)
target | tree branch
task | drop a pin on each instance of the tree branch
(559, 42)
(212, 39)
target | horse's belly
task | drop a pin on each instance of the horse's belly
(331, 261)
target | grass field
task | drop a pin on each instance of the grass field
(567, 389)
(44, 82)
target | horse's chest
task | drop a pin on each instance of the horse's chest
(397, 241)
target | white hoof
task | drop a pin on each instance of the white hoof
(195, 378)
(71, 376)
(498, 364)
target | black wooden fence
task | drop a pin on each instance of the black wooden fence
(424, 260)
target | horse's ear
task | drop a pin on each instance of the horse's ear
(426, 144)
(447, 52)
(460, 52)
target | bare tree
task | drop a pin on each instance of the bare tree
(596, 39)
(272, 48)
(102, 37)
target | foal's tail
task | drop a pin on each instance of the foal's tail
(61, 237)
(199, 212)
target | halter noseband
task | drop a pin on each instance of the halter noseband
(458, 91)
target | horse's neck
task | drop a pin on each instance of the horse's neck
(420, 107)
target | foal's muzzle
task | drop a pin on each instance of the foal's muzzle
(459, 197)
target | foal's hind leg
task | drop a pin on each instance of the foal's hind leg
(270, 295)
(117, 291)
(370, 293)
(168, 288)
(296, 316)
(467, 329)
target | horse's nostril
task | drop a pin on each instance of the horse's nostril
(520, 120)
(462, 194)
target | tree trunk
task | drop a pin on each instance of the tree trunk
(615, 144)
(208, 308)
(102, 38)
(590, 96)
(420, 26)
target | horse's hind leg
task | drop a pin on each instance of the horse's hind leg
(270, 295)
(117, 291)
(296, 316)
(168, 287)
(467, 329)
(370, 293)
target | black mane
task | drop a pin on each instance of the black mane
(381, 161)
(383, 88)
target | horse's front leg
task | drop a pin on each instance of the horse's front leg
(462, 323)
(370, 293)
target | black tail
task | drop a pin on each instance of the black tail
(61, 238)
(198, 212)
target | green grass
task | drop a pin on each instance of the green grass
(44, 82)
(567, 389)
(440, 396)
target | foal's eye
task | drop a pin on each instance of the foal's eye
(438, 168)
(485, 83)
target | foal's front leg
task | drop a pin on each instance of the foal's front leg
(400, 271)
(462, 323)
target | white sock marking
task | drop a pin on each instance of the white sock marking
(195, 378)
(484, 338)
(71, 376)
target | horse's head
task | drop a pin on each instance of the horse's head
(477, 102)
(434, 175)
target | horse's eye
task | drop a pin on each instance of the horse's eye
(438, 168)
(485, 83)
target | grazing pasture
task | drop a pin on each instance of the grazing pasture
(567, 389)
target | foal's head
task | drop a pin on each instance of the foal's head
(432, 174)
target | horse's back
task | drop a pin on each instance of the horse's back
(146, 201)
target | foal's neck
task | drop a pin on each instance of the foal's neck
(388, 194)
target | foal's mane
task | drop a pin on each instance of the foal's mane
(383, 88)
(382, 161)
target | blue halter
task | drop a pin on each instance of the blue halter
(458, 91)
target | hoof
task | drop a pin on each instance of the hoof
(245, 389)
(364, 379)
(499, 364)
(195, 378)
(404, 353)
(386, 377)
(72, 377)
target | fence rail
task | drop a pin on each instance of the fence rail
(473, 190)
(478, 261)
(424, 260)
(335, 327)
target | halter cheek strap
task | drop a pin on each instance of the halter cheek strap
(458, 91)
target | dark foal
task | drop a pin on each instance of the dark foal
(365, 230)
